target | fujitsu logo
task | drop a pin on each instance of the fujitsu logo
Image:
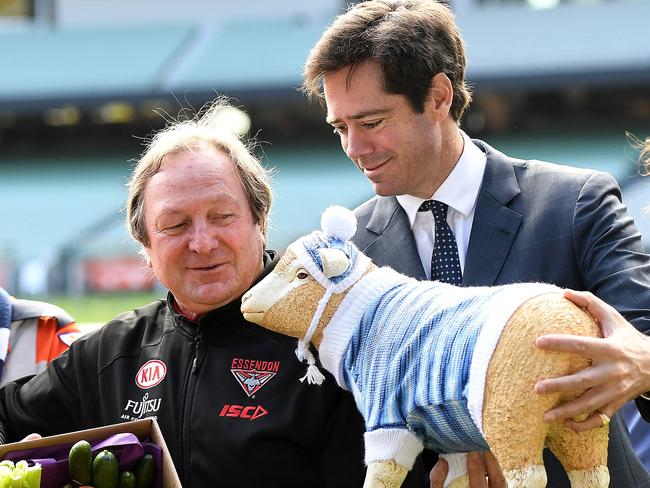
(250, 412)
(143, 407)
(150, 374)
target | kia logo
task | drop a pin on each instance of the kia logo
(150, 374)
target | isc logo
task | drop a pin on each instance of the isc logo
(150, 374)
(249, 413)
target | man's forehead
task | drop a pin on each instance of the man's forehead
(200, 167)
(174, 189)
(356, 93)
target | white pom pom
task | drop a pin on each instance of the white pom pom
(339, 222)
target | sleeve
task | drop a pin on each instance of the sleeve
(55, 401)
(610, 253)
(52, 340)
(341, 443)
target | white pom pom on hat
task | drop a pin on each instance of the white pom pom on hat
(338, 222)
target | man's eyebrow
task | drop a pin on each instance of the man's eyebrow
(360, 115)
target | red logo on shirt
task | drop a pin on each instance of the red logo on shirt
(250, 412)
(252, 374)
(150, 374)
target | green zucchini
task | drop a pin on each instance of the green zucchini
(80, 463)
(106, 471)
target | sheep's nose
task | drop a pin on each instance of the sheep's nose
(246, 297)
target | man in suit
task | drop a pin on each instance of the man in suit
(392, 76)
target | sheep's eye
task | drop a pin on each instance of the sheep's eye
(301, 275)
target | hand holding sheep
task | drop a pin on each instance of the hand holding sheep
(620, 369)
(430, 364)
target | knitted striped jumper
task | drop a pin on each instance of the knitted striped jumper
(415, 356)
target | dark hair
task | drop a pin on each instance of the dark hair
(411, 40)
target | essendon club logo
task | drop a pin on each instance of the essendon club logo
(252, 374)
(150, 374)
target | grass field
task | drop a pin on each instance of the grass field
(101, 308)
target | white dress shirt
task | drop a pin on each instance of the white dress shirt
(459, 191)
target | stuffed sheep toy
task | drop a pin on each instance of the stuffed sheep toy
(430, 364)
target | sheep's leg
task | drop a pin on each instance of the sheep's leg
(520, 457)
(583, 455)
(508, 418)
(513, 424)
(515, 433)
(384, 474)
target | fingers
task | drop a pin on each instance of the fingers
(585, 346)
(581, 380)
(602, 403)
(494, 473)
(476, 470)
(483, 471)
(580, 298)
(438, 474)
(604, 314)
(607, 398)
(594, 421)
(32, 437)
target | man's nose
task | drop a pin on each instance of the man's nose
(202, 240)
(356, 144)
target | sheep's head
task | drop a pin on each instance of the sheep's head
(320, 263)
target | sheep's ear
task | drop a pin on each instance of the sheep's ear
(335, 262)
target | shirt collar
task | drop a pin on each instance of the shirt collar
(460, 189)
(270, 259)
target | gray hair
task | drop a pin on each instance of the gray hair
(204, 130)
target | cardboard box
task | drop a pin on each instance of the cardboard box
(146, 428)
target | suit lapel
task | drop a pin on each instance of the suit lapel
(395, 244)
(495, 225)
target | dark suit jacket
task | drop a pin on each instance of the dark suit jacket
(537, 221)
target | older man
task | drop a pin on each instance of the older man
(225, 392)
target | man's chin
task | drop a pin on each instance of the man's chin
(208, 297)
(383, 190)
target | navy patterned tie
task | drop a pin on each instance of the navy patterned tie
(445, 265)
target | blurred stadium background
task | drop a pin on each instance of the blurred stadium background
(82, 83)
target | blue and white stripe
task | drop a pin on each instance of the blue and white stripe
(5, 326)
(407, 350)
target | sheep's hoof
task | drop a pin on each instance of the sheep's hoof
(460, 482)
(597, 477)
(384, 474)
(528, 477)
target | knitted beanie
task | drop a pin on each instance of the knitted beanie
(338, 226)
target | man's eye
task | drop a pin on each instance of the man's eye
(173, 227)
(372, 124)
(339, 130)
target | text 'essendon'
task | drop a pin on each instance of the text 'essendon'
(256, 364)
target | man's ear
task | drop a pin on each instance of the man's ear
(441, 95)
(262, 225)
(147, 259)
